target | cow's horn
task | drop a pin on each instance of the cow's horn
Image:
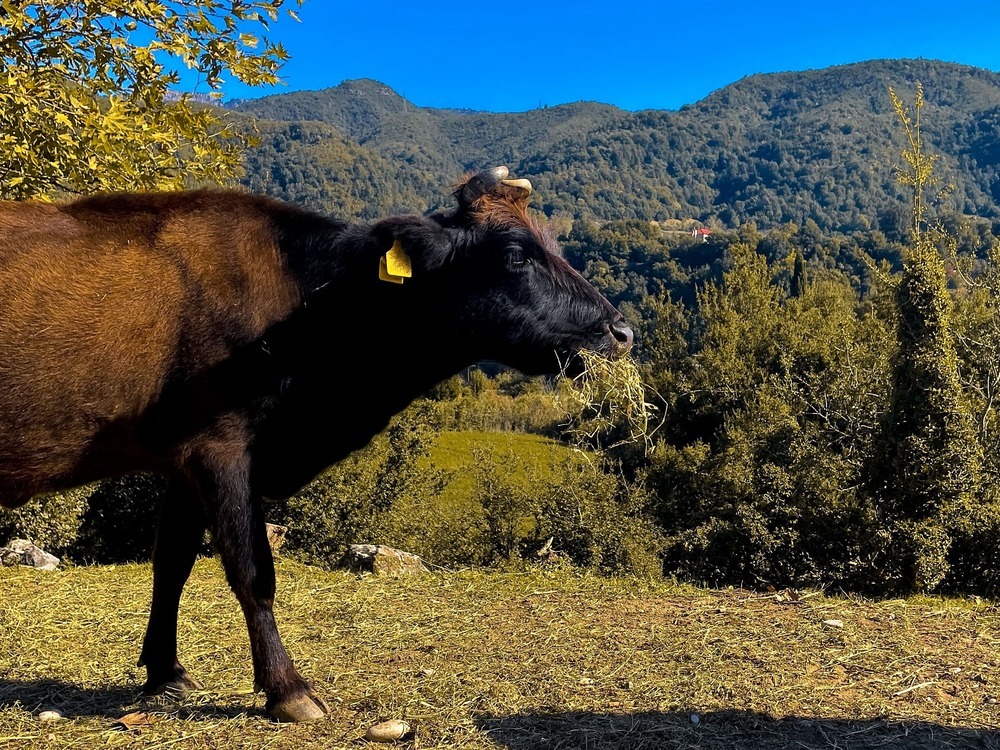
(483, 182)
(524, 184)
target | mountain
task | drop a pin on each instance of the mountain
(770, 148)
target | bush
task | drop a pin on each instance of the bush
(109, 522)
(351, 502)
(119, 523)
(51, 521)
(505, 403)
(593, 516)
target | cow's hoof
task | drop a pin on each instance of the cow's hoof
(306, 706)
(179, 684)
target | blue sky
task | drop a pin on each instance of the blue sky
(634, 54)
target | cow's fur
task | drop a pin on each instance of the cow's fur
(238, 345)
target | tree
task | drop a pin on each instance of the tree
(85, 100)
(929, 468)
(798, 286)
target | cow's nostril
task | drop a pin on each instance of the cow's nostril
(622, 333)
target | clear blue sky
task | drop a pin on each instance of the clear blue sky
(634, 54)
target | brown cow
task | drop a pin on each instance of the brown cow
(237, 346)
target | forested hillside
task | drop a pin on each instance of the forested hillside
(825, 367)
(770, 149)
(774, 344)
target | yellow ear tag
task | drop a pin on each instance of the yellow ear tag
(395, 265)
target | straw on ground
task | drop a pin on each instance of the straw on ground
(488, 660)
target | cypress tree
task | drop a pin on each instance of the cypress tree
(929, 467)
(798, 285)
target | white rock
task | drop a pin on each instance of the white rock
(23, 552)
(388, 731)
(834, 623)
(50, 715)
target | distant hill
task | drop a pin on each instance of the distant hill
(770, 148)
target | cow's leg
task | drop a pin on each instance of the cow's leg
(178, 538)
(237, 522)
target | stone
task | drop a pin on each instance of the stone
(275, 536)
(381, 561)
(9, 557)
(392, 730)
(549, 556)
(23, 552)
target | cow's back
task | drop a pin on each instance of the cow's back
(106, 301)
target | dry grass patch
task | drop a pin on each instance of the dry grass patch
(610, 398)
(477, 660)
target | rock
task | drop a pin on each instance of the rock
(834, 623)
(388, 731)
(381, 561)
(550, 556)
(49, 715)
(135, 721)
(23, 552)
(275, 536)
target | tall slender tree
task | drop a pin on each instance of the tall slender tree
(798, 285)
(928, 469)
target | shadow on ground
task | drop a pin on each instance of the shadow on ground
(728, 730)
(74, 701)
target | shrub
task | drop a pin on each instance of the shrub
(51, 521)
(594, 516)
(119, 522)
(109, 522)
(350, 502)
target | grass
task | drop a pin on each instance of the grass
(543, 659)
(455, 453)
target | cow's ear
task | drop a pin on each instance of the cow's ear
(409, 246)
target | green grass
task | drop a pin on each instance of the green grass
(454, 452)
(485, 660)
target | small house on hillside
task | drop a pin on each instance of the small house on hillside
(702, 232)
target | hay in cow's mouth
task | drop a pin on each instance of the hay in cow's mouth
(608, 401)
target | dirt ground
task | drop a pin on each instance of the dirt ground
(545, 659)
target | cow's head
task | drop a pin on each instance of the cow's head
(498, 282)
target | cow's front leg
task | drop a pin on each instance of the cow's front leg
(237, 522)
(178, 539)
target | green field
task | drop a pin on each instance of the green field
(455, 452)
(518, 661)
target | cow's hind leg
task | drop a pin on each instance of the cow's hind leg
(178, 538)
(237, 523)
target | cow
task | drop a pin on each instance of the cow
(237, 346)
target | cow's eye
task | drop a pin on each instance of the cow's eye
(516, 257)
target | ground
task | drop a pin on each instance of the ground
(518, 661)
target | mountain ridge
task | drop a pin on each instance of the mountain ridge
(769, 148)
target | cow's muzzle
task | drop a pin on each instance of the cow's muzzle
(622, 335)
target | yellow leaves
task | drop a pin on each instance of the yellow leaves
(920, 173)
(82, 107)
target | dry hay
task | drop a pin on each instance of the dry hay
(519, 661)
(609, 398)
